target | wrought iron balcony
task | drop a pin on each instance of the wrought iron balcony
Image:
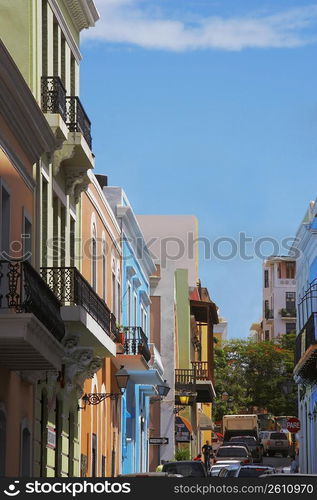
(202, 371)
(269, 314)
(306, 350)
(77, 119)
(72, 289)
(288, 313)
(136, 342)
(53, 96)
(22, 290)
(308, 304)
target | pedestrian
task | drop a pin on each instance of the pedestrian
(208, 453)
(295, 463)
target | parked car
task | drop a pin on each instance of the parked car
(233, 452)
(230, 470)
(255, 470)
(275, 442)
(253, 444)
(216, 468)
(187, 468)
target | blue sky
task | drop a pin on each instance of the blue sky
(209, 108)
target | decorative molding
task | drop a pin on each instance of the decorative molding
(66, 152)
(83, 13)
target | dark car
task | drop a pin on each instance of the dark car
(186, 468)
(253, 444)
(255, 470)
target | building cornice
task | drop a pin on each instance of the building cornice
(21, 112)
(83, 13)
(99, 190)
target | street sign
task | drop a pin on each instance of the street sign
(293, 424)
(158, 441)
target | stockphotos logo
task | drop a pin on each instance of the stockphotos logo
(13, 492)
(73, 489)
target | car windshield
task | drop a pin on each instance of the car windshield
(193, 470)
(248, 440)
(278, 435)
(235, 451)
(252, 471)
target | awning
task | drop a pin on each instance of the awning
(205, 423)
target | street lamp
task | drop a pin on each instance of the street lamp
(163, 389)
(122, 377)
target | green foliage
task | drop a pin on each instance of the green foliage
(182, 454)
(253, 373)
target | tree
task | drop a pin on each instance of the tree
(254, 374)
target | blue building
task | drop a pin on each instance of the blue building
(305, 372)
(139, 357)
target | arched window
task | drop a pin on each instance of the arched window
(3, 433)
(94, 257)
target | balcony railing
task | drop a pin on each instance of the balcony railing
(308, 304)
(306, 338)
(136, 342)
(22, 290)
(185, 377)
(53, 96)
(269, 314)
(288, 313)
(201, 368)
(77, 120)
(72, 289)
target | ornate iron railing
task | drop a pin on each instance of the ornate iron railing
(308, 304)
(136, 342)
(288, 313)
(53, 96)
(77, 119)
(306, 338)
(72, 289)
(23, 290)
(202, 372)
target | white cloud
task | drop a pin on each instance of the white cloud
(132, 22)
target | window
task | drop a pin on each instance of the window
(119, 301)
(94, 456)
(104, 271)
(55, 48)
(94, 258)
(135, 301)
(103, 466)
(290, 301)
(27, 239)
(114, 303)
(58, 434)
(44, 38)
(290, 270)
(129, 305)
(72, 76)
(26, 453)
(267, 335)
(71, 443)
(5, 222)
(63, 235)
(290, 327)
(3, 437)
(142, 317)
(266, 278)
(44, 221)
(63, 60)
(44, 414)
(72, 242)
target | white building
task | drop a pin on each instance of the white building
(279, 296)
(305, 372)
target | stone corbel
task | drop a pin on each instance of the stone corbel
(77, 181)
(66, 152)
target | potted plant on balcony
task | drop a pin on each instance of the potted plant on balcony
(121, 333)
